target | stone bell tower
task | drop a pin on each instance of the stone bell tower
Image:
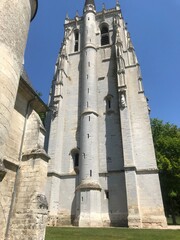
(103, 170)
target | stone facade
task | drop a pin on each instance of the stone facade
(23, 161)
(103, 170)
(24, 206)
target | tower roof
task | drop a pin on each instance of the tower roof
(34, 7)
(89, 2)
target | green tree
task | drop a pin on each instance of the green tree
(167, 147)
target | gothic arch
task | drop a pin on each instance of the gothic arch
(75, 158)
(104, 29)
(108, 101)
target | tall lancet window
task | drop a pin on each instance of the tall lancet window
(104, 35)
(76, 42)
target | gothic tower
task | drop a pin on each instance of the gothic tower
(103, 169)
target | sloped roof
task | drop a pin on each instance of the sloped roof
(25, 77)
(27, 89)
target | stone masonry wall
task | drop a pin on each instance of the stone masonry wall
(30, 212)
(11, 163)
(13, 143)
(6, 188)
(14, 25)
(28, 218)
(30, 208)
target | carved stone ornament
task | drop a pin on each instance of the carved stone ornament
(119, 42)
(123, 99)
(130, 45)
(63, 49)
(42, 201)
(54, 109)
(117, 22)
(68, 32)
(2, 171)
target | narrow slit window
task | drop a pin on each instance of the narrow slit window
(109, 103)
(76, 160)
(107, 194)
(90, 173)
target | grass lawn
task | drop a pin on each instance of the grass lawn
(110, 233)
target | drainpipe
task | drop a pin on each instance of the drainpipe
(18, 170)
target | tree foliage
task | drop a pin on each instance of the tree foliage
(167, 147)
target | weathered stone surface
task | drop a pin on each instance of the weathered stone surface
(23, 208)
(14, 25)
(30, 210)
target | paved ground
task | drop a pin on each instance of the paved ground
(177, 227)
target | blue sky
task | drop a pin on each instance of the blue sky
(154, 26)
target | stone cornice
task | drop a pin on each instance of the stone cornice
(2, 171)
(141, 170)
(37, 153)
(89, 111)
(147, 171)
(61, 175)
(131, 169)
(10, 165)
(89, 186)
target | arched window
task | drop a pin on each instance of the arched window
(108, 100)
(75, 157)
(104, 35)
(76, 42)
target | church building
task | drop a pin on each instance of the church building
(103, 170)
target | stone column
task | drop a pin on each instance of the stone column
(15, 16)
(89, 188)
